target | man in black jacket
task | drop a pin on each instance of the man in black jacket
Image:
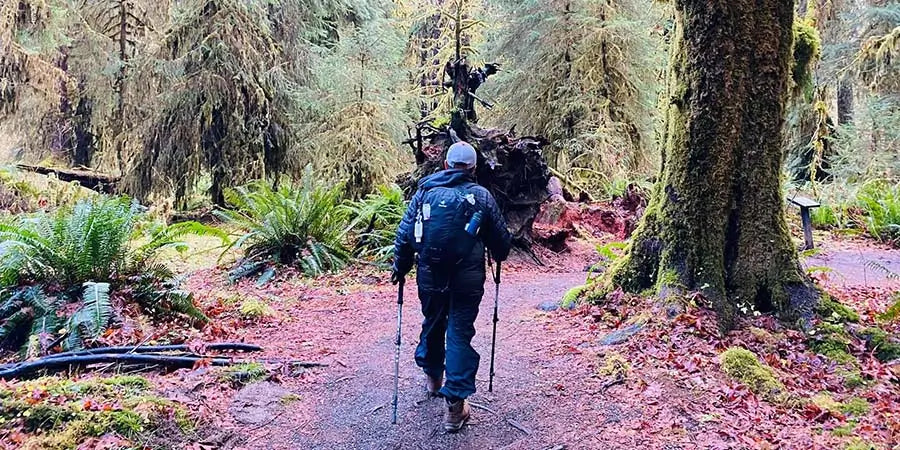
(450, 294)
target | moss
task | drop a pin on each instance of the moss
(742, 365)
(859, 444)
(826, 403)
(246, 373)
(570, 298)
(289, 398)
(836, 312)
(852, 377)
(855, 407)
(253, 308)
(130, 381)
(57, 413)
(881, 343)
(845, 430)
(126, 423)
(807, 48)
(613, 365)
(832, 342)
(893, 312)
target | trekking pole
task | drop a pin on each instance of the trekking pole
(397, 355)
(496, 319)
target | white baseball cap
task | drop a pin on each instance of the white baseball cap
(461, 153)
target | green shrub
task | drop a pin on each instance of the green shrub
(82, 254)
(375, 220)
(293, 225)
(881, 203)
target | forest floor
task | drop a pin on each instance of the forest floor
(557, 386)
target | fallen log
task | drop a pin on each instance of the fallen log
(227, 346)
(27, 369)
(100, 182)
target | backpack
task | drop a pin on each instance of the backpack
(446, 227)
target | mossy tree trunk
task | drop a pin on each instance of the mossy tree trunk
(716, 220)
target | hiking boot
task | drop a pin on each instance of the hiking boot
(433, 385)
(456, 416)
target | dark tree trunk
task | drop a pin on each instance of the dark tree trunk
(845, 102)
(716, 220)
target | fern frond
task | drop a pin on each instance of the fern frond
(93, 316)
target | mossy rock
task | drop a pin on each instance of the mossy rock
(886, 349)
(613, 365)
(742, 365)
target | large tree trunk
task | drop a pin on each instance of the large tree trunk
(716, 223)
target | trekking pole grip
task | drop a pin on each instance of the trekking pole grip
(497, 274)
(400, 287)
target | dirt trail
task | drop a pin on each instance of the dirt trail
(351, 409)
(548, 391)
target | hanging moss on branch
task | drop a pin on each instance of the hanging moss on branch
(807, 49)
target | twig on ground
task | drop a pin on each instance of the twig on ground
(518, 426)
(375, 409)
(609, 384)
(483, 408)
(342, 379)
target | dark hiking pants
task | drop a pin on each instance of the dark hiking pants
(450, 300)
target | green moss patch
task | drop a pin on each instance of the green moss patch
(836, 312)
(845, 430)
(831, 341)
(571, 297)
(853, 407)
(879, 341)
(57, 413)
(254, 308)
(859, 444)
(893, 311)
(742, 365)
(241, 374)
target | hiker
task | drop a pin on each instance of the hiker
(447, 226)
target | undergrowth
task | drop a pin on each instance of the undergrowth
(375, 220)
(57, 413)
(79, 259)
(300, 226)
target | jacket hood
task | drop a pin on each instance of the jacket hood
(446, 178)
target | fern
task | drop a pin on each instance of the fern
(375, 220)
(878, 267)
(89, 321)
(294, 225)
(881, 203)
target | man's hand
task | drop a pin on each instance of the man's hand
(396, 277)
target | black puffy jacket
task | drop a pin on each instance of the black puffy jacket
(494, 234)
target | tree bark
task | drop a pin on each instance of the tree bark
(716, 220)
(845, 102)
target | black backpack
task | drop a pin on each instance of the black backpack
(442, 234)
